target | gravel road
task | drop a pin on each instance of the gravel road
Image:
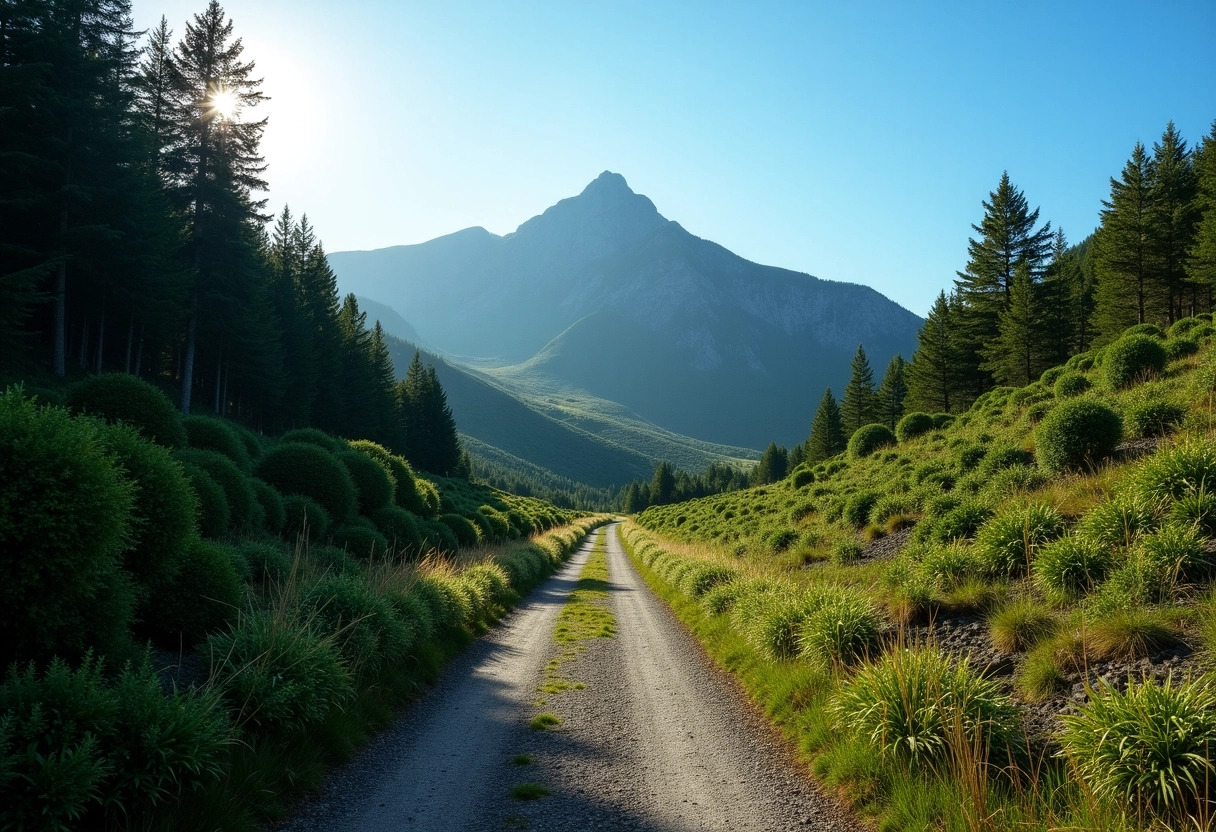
(660, 739)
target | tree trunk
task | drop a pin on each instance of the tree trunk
(227, 375)
(101, 335)
(139, 354)
(82, 357)
(219, 374)
(187, 366)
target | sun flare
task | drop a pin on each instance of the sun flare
(224, 103)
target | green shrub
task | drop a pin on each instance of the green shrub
(1149, 750)
(913, 425)
(911, 703)
(701, 578)
(1132, 359)
(846, 551)
(1071, 566)
(1150, 330)
(364, 627)
(164, 512)
(1039, 675)
(210, 499)
(869, 438)
(1071, 385)
(1038, 411)
(118, 397)
(1153, 418)
(1007, 543)
(802, 477)
(1197, 510)
(466, 533)
(214, 434)
(941, 421)
(1182, 326)
(1020, 625)
(841, 632)
(277, 674)
(307, 470)
(968, 456)
(399, 527)
(274, 513)
(406, 490)
(203, 597)
(266, 561)
(1128, 634)
(961, 522)
(305, 516)
(1000, 457)
(1176, 348)
(1077, 434)
(950, 566)
(500, 524)
(1080, 362)
(65, 517)
(1051, 375)
(1177, 552)
(360, 541)
(1121, 520)
(438, 537)
(1018, 479)
(312, 436)
(1174, 473)
(857, 508)
(780, 540)
(374, 484)
(244, 511)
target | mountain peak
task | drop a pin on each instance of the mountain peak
(608, 182)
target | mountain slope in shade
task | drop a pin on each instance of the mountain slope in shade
(602, 294)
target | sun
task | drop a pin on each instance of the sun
(224, 103)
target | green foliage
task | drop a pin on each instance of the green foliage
(312, 436)
(277, 674)
(1071, 566)
(702, 578)
(846, 551)
(1175, 472)
(841, 632)
(780, 540)
(1153, 418)
(913, 425)
(374, 484)
(364, 627)
(118, 397)
(399, 527)
(1077, 434)
(1133, 359)
(1147, 751)
(1001, 456)
(305, 469)
(961, 522)
(858, 507)
(305, 516)
(1051, 375)
(438, 537)
(1008, 542)
(244, 511)
(1177, 552)
(360, 540)
(467, 534)
(212, 434)
(65, 519)
(274, 513)
(911, 705)
(202, 597)
(827, 430)
(211, 501)
(1070, 385)
(266, 561)
(1176, 348)
(1020, 625)
(1118, 522)
(868, 439)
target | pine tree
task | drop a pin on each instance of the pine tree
(1201, 262)
(857, 406)
(1172, 218)
(662, 484)
(1015, 356)
(383, 404)
(934, 375)
(889, 401)
(1008, 237)
(431, 441)
(772, 467)
(1126, 292)
(827, 431)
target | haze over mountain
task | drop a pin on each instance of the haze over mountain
(602, 294)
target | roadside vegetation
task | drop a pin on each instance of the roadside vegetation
(198, 620)
(995, 619)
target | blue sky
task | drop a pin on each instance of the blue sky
(853, 141)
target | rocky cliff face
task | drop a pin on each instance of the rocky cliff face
(560, 295)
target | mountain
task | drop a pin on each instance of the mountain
(602, 294)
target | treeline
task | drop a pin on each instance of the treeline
(133, 237)
(671, 485)
(1027, 301)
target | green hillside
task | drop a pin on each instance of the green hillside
(1057, 539)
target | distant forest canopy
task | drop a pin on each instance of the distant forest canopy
(132, 238)
(1027, 301)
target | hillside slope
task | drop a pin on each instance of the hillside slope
(603, 294)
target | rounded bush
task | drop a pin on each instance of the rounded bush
(312, 436)
(244, 512)
(305, 469)
(118, 397)
(1176, 551)
(704, 577)
(1176, 348)
(1153, 418)
(913, 425)
(65, 514)
(802, 477)
(274, 515)
(1000, 457)
(1132, 359)
(1008, 542)
(305, 516)
(1071, 566)
(331, 560)
(214, 434)
(1121, 520)
(415, 614)
(869, 438)
(941, 421)
(858, 507)
(360, 541)
(499, 523)
(961, 522)
(1071, 385)
(842, 632)
(399, 527)
(780, 540)
(365, 628)
(373, 483)
(211, 500)
(266, 561)
(1051, 375)
(466, 533)
(1077, 434)
(278, 675)
(438, 537)
(203, 597)
(164, 510)
(1080, 362)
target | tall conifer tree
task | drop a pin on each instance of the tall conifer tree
(827, 431)
(857, 405)
(889, 401)
(1201, 261)
(1172, 219)
(934, 375)
(1126, 288)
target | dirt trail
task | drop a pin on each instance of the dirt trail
(659, 740)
